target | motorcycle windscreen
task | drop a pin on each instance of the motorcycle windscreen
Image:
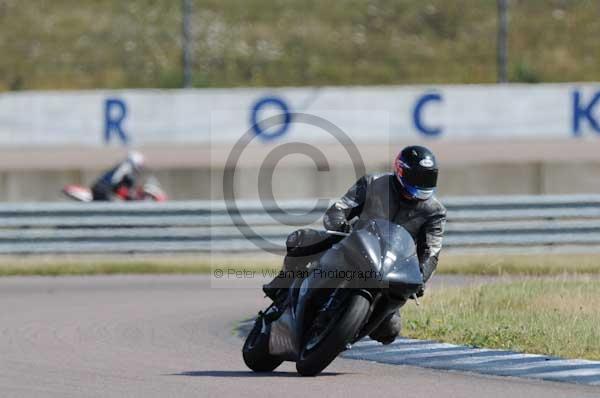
(400, 266)
(386, 248)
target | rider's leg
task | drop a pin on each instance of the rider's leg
(388, 329)
(304, 246)
(101, 191)
(99, 195)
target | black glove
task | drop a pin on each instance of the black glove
(344, 227)
(419, 293)
(337, 222)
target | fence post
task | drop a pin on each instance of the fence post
(502, 42)
(186, 34)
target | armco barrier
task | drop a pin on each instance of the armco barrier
(530, 224)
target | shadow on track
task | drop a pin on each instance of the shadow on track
(243, 373)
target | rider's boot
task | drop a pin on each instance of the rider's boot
(388, 329)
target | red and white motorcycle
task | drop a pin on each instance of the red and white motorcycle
(149, 191)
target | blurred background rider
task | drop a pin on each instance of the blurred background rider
(119, 183)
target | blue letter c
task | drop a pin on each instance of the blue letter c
(417, 120)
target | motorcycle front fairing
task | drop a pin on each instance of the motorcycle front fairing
(377, 255)
(378, 248)
(389, 250)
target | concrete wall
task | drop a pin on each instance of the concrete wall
(366, 114)
(197, 172)
(307, 182)
(489, 139)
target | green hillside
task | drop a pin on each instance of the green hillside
(55, 44)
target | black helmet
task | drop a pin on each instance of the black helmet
(417, 172)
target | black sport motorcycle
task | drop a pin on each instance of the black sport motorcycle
(353, 287)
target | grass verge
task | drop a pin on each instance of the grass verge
(530, 265)
(127, 44)
(537, 265)
(557, 317)
(99, 266)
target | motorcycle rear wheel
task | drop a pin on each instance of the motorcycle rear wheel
(256, 350)
(312, 361)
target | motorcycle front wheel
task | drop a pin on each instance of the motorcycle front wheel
(320, 350)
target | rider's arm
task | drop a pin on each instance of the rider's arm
(122, 174)
(347, 207)
(123, 181)
(430, 244)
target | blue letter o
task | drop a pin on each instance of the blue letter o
(254, 117)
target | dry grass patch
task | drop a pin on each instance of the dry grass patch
(532, 265)
(108, 265)
(494, 265)
(554, 317)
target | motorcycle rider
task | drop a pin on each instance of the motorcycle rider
(405, 197)
(119, 182)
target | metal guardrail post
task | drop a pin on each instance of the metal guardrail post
(502, 41)
(186, 35)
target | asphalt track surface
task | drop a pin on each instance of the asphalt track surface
(171, 336)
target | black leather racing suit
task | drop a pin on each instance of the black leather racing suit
(375, 196)
(380, 196)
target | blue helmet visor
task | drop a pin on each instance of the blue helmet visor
(417, 193)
